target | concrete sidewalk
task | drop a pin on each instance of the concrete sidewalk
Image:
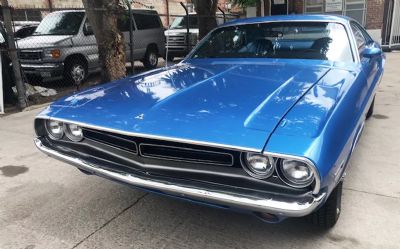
(48, 204)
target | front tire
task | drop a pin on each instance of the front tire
(150, 60)
(371, 109)
(327, 215)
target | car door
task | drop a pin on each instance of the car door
(371, 66)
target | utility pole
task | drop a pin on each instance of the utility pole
(13, 55)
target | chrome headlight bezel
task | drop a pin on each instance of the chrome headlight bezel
(70, 128)
(50, 132)
(284, 175)
(253, 171)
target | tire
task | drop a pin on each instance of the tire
(327, 215)
(150, 60)
(371, 109)
(75, 71)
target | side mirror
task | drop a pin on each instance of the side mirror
(87, 29)
(372, 51)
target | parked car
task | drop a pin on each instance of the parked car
(177, 38)
(25, 31)
(262, 116)
(63, 45)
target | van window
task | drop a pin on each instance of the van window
(60, 23)
(123, 23)
(147, 21)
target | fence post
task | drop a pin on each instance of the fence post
(131, 45)
(187, 27)
(13, 55)
(223, 13)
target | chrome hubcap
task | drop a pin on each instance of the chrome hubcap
(153, 59)
(78, 73)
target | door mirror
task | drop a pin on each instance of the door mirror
(372, 51)
(87, 29)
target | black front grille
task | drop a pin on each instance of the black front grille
(30, 55)
(115, 140)
(164, 150)
(186, 154)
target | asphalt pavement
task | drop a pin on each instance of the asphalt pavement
(45, 203)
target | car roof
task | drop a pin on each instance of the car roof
(288, 18)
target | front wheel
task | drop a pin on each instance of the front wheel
(75, 71)
(327, 215)
(150, 59)
(371, 109)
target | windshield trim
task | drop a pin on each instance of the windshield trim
(356, 59)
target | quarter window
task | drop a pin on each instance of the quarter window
(358, 34)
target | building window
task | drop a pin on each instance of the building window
(26, 15)
(352, 8)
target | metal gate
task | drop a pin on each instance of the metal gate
(394, 41)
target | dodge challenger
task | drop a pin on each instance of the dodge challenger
(262, 117)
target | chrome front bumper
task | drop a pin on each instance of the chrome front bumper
(266, 203)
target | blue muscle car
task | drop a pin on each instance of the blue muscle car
(262, 116)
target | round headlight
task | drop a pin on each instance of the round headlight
(74, 132)
(54, 129)
(258, 165)
(296, 173)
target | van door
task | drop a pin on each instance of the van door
(88, 46)
(149, 32)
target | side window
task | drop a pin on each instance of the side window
(358, 34)
(123, 23)
(147, 21)
(87, 28)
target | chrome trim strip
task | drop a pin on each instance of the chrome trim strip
(187, 160)
(304, 160)
(143, 135)
(46, 66)
(283, 206)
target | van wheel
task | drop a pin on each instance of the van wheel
(327, 215)
(75, 71)
(371, 109)
(150, 59)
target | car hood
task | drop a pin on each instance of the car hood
(41, 41)
(232, 103)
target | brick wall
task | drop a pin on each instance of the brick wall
(375, 14)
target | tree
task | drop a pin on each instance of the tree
(103, 16)
(205, 10)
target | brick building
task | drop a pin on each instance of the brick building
(375, 15)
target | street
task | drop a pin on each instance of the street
(45, 203)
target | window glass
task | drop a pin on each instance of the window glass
(360, 39)
(147, 21)
(123, 23)
(60, 23)
(291, 40)
(180, 22)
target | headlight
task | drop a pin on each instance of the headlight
(54, 129)
(258, 165)
(296, 173)
(73, 132)
(53, 53)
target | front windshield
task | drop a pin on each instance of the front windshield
(180, 22)
(291, 40)
(60, 23)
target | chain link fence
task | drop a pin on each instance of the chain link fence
(57, 49)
